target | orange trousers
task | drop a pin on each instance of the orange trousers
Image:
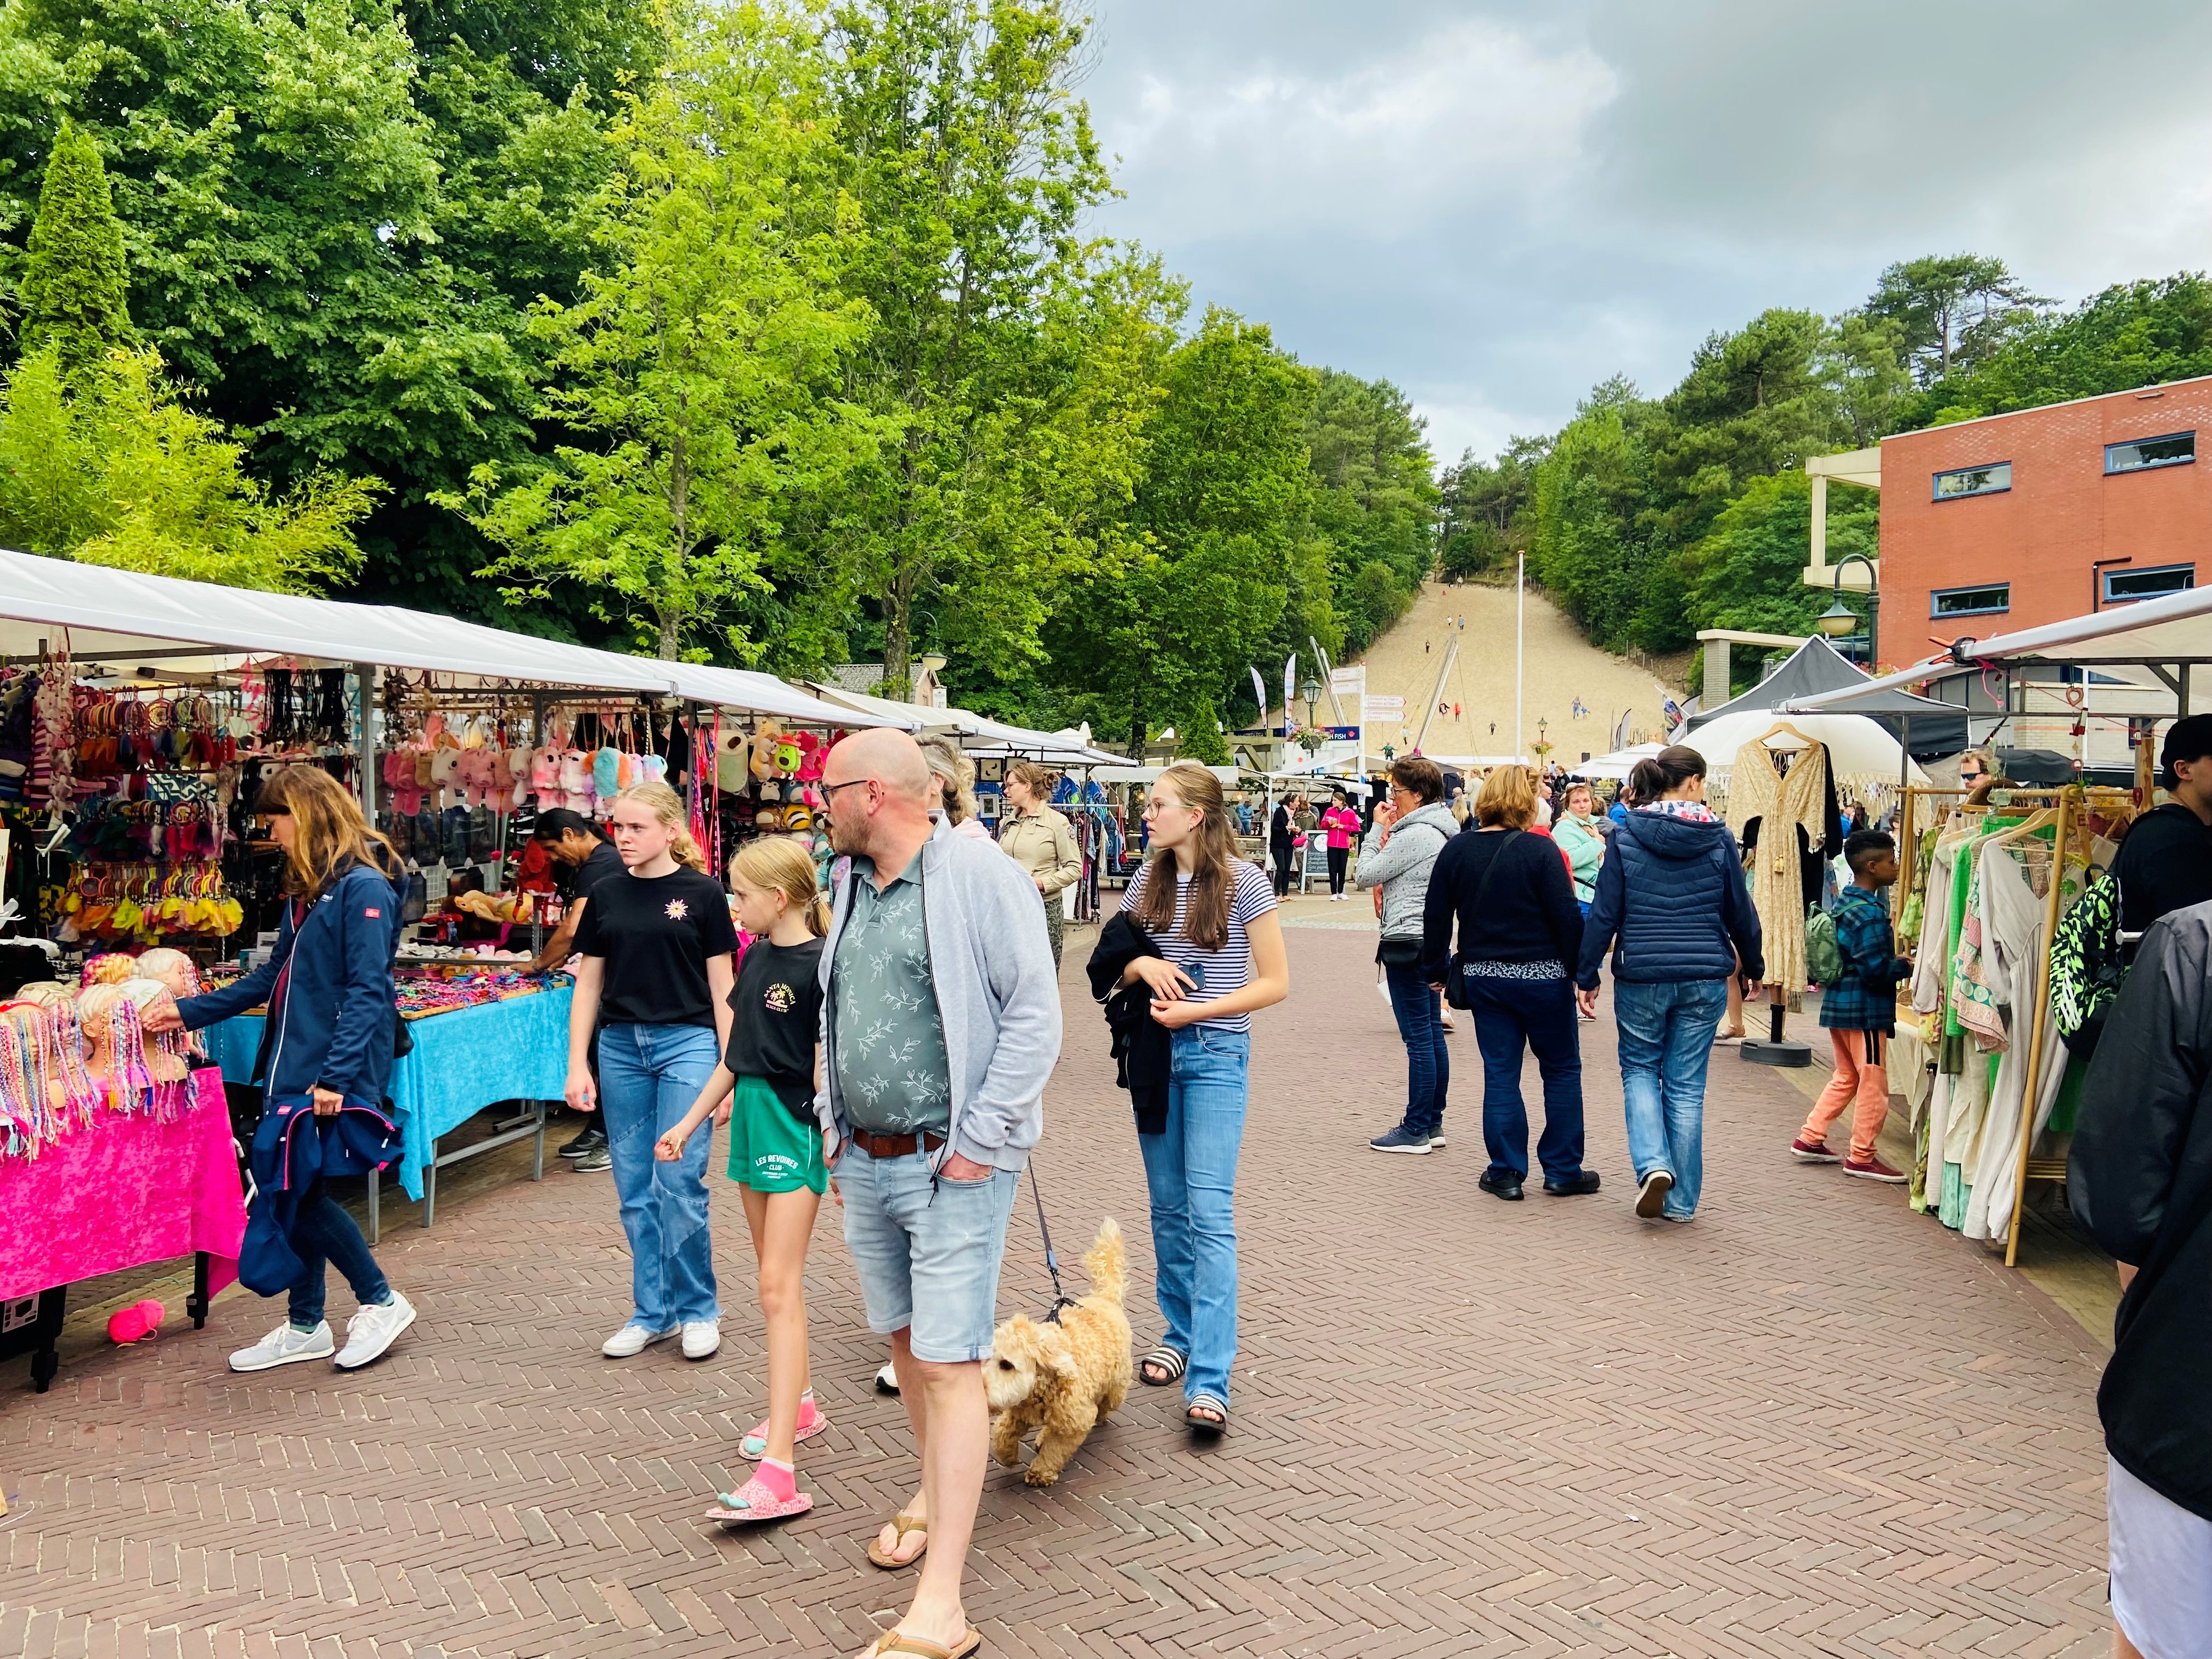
(1857, 1077)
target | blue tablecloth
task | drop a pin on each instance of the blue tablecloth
(462, 1062)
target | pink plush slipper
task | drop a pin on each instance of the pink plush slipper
(755, 1502)
(811, 1423)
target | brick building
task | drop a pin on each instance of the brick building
(1992, 526)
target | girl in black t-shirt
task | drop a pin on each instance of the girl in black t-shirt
(764, 1090)
(655, 945)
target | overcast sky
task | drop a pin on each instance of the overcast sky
(1497, 205)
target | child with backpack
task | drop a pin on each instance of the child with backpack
(1858, 1007)
(764, 1090)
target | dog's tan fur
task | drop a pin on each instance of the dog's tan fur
(1062, 1378)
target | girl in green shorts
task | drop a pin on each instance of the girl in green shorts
(764, 1090)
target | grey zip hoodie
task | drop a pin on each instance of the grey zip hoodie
(997, 994)
(1401, 869)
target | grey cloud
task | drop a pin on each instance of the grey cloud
(1498, 205)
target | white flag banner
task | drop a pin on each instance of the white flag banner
(1260, 693)
(1290, 686)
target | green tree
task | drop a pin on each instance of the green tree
(1746, 571)
(75, 286)
(103, 464)
(1952, 312)
(702, 366)
(1486, 508)
(1163, 632)
(1374, 499)
(1592, 547)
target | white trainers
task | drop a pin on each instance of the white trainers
(702, 1337)
(632, 1338)
(285, 1346)
(373, 1329)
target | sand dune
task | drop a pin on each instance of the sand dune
(1560, 666)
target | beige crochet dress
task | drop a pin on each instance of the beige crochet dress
(1782, 803)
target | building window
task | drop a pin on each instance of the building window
(1971, 601)
(1974, 480)
(2175, 449)
(2121, 586)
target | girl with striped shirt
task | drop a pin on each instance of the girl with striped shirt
(1221, 957)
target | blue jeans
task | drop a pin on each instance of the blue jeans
(323, 1232)
(649, 1075)
(1428, 1062)
(927, 1250)
(1666, 1041)
(1537, 1015)
(1190, 1171)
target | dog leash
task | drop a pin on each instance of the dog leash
(1061, 1298)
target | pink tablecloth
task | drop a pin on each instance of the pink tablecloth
(127, 1190)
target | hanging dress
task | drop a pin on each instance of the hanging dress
(1782, 803)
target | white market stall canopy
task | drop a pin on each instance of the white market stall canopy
(125, 619)
(1617, 765)
(2157, 634)
(1857, 746)
(980, 733)
(1151, 774)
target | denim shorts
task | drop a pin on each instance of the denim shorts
(927, 1250)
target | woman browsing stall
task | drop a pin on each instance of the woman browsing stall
(655, 947)
(764, 1090)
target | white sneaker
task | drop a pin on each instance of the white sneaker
(285, 1346)
(632, 1338)
(1437, 1141)
(373, 1329)
(702, 1337)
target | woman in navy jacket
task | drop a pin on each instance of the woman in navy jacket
(1672, 893)
(329, 1037)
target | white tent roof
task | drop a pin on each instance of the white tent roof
(1148, 775)
(1618, 764)
(2175, 629)
(120, 615)
(1857, 745)
(983, 735)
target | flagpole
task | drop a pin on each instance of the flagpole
(1520, 635)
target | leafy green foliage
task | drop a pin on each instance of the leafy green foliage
(1952, 313)
(75, 291)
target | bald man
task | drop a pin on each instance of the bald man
(940, 1024)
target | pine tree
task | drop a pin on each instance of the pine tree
(76, 281)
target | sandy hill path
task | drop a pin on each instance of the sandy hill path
(1561, 666)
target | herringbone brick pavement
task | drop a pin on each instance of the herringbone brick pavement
(1811, 1423)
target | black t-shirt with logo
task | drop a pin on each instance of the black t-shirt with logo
(656, 934)
(776, 1020)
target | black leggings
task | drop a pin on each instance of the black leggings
(1282, 871)
(1340, 860)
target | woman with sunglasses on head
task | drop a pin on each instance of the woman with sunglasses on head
(329, 1036)
(655, 976)
(1213, 917)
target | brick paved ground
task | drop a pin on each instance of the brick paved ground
(1812, 1424)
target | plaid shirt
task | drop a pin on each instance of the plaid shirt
(1865, 999)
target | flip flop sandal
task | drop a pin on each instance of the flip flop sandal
(896, 1641)
(755, 1445)
(754, 1502)
(1168, 1360)
(1204, 1403)
(905, 1524)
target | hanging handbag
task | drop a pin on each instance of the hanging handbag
(1455, 982)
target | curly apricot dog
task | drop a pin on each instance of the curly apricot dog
(1062, 1377)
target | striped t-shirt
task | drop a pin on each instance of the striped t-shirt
(1217, 972)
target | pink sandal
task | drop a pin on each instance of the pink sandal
(754, 1502)
(811, 1423)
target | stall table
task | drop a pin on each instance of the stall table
(124, 1192)
(464, 1059)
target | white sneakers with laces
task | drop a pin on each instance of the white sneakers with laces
(373, 1329)
(286, 1347)
(702, 1337)
(632, 1338)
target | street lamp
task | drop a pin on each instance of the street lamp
(1839, 622)
(1311, 692)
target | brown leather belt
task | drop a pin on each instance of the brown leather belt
(876, 1145)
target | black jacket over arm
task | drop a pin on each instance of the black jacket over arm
(2140, 1177)
(1141, 1048)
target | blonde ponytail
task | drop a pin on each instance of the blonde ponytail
(780, 864)
(666, 805)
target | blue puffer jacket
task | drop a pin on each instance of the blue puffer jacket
(293, 1149)
(328, 985)
(1672, 892)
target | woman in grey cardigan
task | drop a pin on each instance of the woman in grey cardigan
(1410, 830)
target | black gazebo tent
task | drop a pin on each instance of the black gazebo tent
(1924, 726)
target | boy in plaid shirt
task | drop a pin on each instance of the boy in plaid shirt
(1860, 1011)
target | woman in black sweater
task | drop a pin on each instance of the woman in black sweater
(1520, 935)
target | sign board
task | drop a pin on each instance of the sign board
(1346, 733)
(1348, 679)
(1385, 711)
